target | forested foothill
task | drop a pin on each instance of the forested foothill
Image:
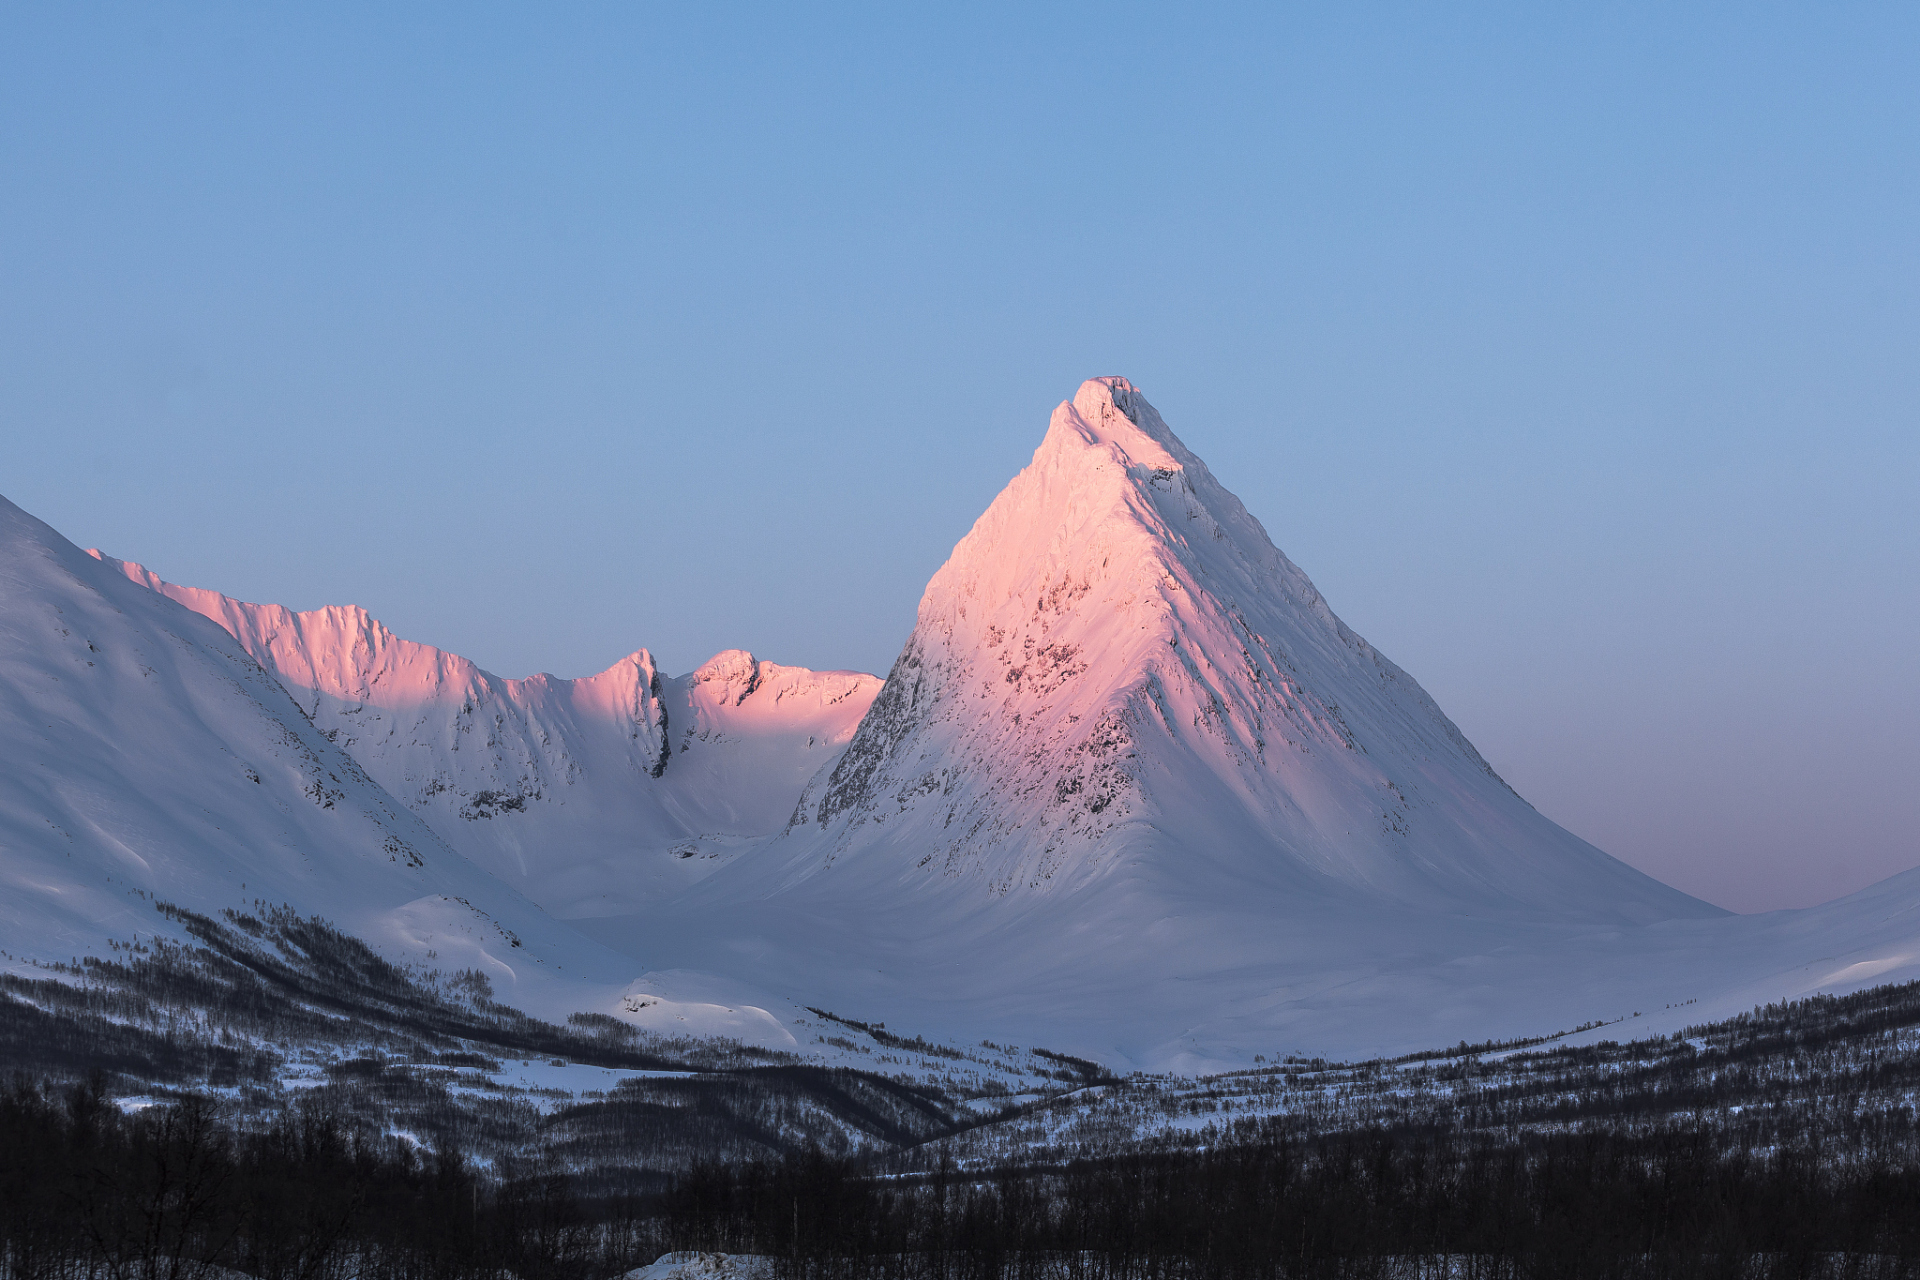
(275, 1100)
(272, 1012)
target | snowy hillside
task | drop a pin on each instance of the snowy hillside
(591, 796)
(148, 758)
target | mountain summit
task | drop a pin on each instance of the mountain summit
(1117, 673)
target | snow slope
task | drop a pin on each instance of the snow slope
(149, 759)
(591, 796)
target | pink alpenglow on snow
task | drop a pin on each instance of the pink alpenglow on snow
(1132, 786)
(150, 759)
(1131, 790)
(1117, 668)
(593, 795)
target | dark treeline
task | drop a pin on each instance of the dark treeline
(1667, 1203)
(175, 1193)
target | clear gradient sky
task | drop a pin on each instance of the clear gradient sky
(1573, 349)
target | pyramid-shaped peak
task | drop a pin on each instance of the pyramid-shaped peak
(1117, 668)
(1111, 497)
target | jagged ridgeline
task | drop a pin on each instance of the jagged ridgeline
(584, 794)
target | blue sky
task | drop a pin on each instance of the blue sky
(1571, 349)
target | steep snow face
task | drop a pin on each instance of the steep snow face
(1118, 673)
(591, 795)
(149, 758)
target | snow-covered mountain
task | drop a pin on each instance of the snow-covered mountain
(591, 796)
(1116, 671)
(1132, 791)
(1130, 774)
(149, 759)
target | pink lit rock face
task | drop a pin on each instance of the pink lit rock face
(593, 796)
(1116, 675)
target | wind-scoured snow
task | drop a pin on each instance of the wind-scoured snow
(591, 796)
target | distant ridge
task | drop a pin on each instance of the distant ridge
(591, 795)
(149, 759)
